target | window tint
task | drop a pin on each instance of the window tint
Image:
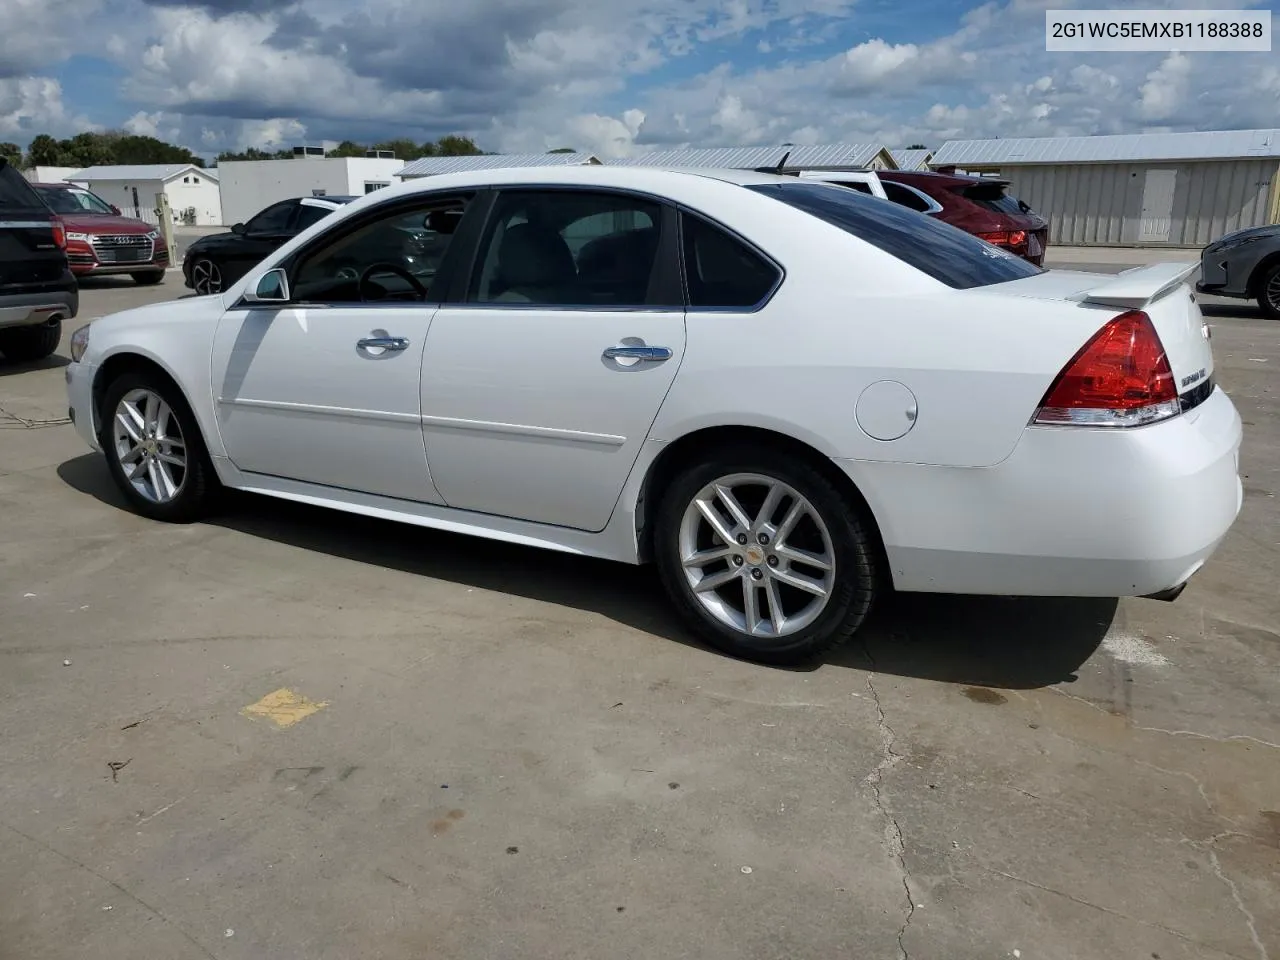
(568, 248)
(66, 200)
(307, 215)
(15, 191)
(904, 196)
(398, 256)
(722, 271)
(940, 250)
(858, 185)
(274, 219)
(992, 196)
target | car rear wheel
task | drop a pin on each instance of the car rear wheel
(1269, 292)
(206, 277)
(764, 557)
(25, 344)
(147, 279)
(154, 449)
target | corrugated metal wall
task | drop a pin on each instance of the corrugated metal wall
(1102, 203)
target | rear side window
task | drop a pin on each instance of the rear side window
(16, 193)
(721, 271)
(905, 196)
(992, 196)
(940, 250)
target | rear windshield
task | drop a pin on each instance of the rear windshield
(947, 254)
(992, 196)
(16, 193)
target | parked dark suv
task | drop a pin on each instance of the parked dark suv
(37, 289)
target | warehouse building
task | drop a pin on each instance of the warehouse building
(830, 156)
(1152, 189)
(249, 186)
(912, 159)
(435, 166)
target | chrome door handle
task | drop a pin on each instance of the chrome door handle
(385, 343)
(637, 353)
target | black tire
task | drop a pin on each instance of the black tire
(148, 279)
(853, 541)
(26, 344)
(199, 489)
(1269, 292)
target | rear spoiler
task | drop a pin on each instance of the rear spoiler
(1137, 287)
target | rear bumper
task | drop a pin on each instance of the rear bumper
(29, 309)
(1072, 512)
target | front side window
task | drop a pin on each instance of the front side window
(944, 252)
(568, 248)
(722, 272)
(273, 220)
(393, 257)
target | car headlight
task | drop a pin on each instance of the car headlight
(153, 234)
(79, 343)
(82, 237)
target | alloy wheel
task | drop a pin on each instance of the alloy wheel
(149, 445)
(206, 278)
(1272, 291)
(757, 555)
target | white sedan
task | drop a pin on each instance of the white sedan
(789, 396)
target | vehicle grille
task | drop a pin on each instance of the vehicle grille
(80, 258)
(123, 248)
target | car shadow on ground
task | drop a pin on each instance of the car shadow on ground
(974, 641)
(52, 362)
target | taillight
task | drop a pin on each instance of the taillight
(1005, 238)
(59, 235)
(1120, 378)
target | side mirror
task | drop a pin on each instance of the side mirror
(237, 228)
(115, 210)
(272, 287)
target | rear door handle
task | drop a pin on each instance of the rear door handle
(637, 353)
(384, 343)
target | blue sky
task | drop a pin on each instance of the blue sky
(536, 74)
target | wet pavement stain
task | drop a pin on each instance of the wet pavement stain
(985, 695)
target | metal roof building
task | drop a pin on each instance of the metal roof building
(831, 156)
(912, 159)
(434, 166)
(1148, 189)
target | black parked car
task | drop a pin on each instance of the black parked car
(215, 262)
(37, 289)
(1244, 264)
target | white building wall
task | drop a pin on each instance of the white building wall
(364, 171)
(49, 174)
(123, 194)
(247, 186)
(195, 191)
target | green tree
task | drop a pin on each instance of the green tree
(454, 145)
(347, 148)
(11, 152)
(916, 146)
(43, 151)
(563, 150)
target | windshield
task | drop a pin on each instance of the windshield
(947, 254)
(69, 200)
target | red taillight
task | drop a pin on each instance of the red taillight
(1120, 378)
(1005, 238)
(59, 235)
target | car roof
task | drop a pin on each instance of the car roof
(633, 178)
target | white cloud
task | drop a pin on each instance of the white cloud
(32, 105)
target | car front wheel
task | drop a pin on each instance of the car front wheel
(1269, 292)
(764, 557)
(206, 277)
(154, 449)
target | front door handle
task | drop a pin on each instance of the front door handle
(637, 352)
(383, 343)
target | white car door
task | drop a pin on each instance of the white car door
(325, 388)
(539, 390)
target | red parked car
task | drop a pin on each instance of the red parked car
(101, 241)
(978, 205)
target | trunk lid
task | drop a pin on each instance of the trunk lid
(1161, 291)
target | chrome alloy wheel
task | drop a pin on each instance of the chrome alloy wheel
(206, 278)
(757, 555)
(1272, 292)
(149, 445)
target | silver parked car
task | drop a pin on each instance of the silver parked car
(1244, 264)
